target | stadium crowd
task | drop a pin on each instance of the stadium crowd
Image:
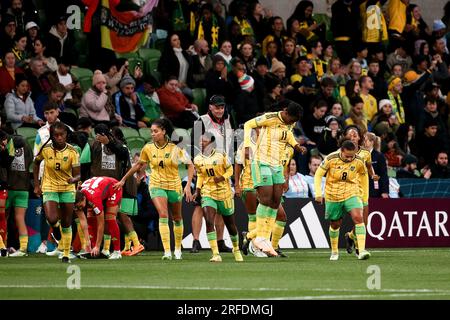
(375, 64)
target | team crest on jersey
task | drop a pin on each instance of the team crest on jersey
(167, 155)
(65, 158)
(154, 156)
(214, 163)
(352, 168)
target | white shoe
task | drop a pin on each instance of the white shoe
(18, 253)
(363, 255)
(177, 254)
(265, 246)
(115, 255)
(71, 255)
(54, 253)
(334, 256)
(106, 253)
(255, 251)
(167, 256)
(42, 248)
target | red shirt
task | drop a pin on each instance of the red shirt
(100, 189)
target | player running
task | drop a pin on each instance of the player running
(214, 171)
(344, 172)
(163, 157)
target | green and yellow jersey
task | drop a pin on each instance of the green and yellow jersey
(214, 165)
(343, 179)
(58, 168)
(367, 157)
(245, 180)
(163, 162)
(273, 137)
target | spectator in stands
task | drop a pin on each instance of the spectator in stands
(150, 100)
(440, 169)
(114, 74)
(401, 57)
(259, 19)
(40, 50)
(7, 32)
(246, 103)
(356, 115)
(338, 113)
(235, 38)
(319, 67)
(273, 92)
(241, 19)
(32, 32)
(216, 78)
(379, 84)
(39, 83)
(246, 54)
(355, 70)
(17, 11)
(431, 112)
(96, 103)
(352, 89)
(128, 105)
(394, 155)
(373, 24)
(309, 28)
(385, 115)
(19, 50)
(429, 143)
(225, 53)
(314, 123)
(175, 106)
(327, 87)
(56, 95)
(406, 138)
(201, 63)
(177, 62)
(416, 28)
(397, 11)
(61, 42)
(370, 103)
(293, 32)
(277, 35)
(271, 53)
(304, 83)
(409, 167)
(289, 55)
(210, 27)
(380, 188)
(329, 138)
(298, 186)
(8, 73)
(313, 165)
(74, 93)
(19, 107)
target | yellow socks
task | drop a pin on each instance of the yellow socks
(164, 231)
(66, 239)
(334, 239)
(80, 234)
(360, 230)
(2, 244)
(251, 222)
(127, 242)
(23, 243)
(60, 243)
(277, 232)
(106, 242)
(178, 230)
(212, 239)
(235, 241)
(134, 238)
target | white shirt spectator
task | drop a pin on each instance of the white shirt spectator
(298, 187)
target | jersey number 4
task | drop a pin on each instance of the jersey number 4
(161, 164)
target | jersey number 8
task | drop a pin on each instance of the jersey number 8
(344, 176)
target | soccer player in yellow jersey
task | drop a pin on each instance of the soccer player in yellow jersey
(163, 158)
(267, 169)
(214, 171)
(344, 171)
(353, 133)
(61, 173)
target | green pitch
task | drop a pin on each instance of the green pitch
(306, 274)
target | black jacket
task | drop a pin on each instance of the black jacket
(246, 106)
(379, 166)
(170, 66)
(123, 109)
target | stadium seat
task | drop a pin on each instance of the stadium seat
(29, 134)
(84, 76)
(135, 144)
(130, 133)
(146, 134)
(133, 60)
(199, 99)
(183, 133)
(151, 59)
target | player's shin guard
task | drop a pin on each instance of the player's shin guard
(61, 242)
(251, 222)
(261, 215)
(23, 239)
(212, 239)
(134, 238)
(114, 231)
(269, 222)
(164, 232)
(277, 233)
(66, 240)
(127, 240)
(178, 230)
(107, 242)
(334, 239)
(360, 230)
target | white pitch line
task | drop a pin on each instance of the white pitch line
(14, 286)
(357, 296)
(375, 251)
(383, 290)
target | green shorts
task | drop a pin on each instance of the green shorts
(225, 208)
(245, 192)
(265, 175)
(335, 211)
(129, 206)
(59, 197)
(17, 199)
(172, 196)
(365, 204)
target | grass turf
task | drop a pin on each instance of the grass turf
(306, 274)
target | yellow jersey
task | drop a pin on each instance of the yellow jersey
(245, 180)
(370, 106)
(364, 186)
(215, 165)
(343, 178)
(374, 28)
(273, 137)
(287, 155)
(58, 168)
(163, 162)
(397, 15)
